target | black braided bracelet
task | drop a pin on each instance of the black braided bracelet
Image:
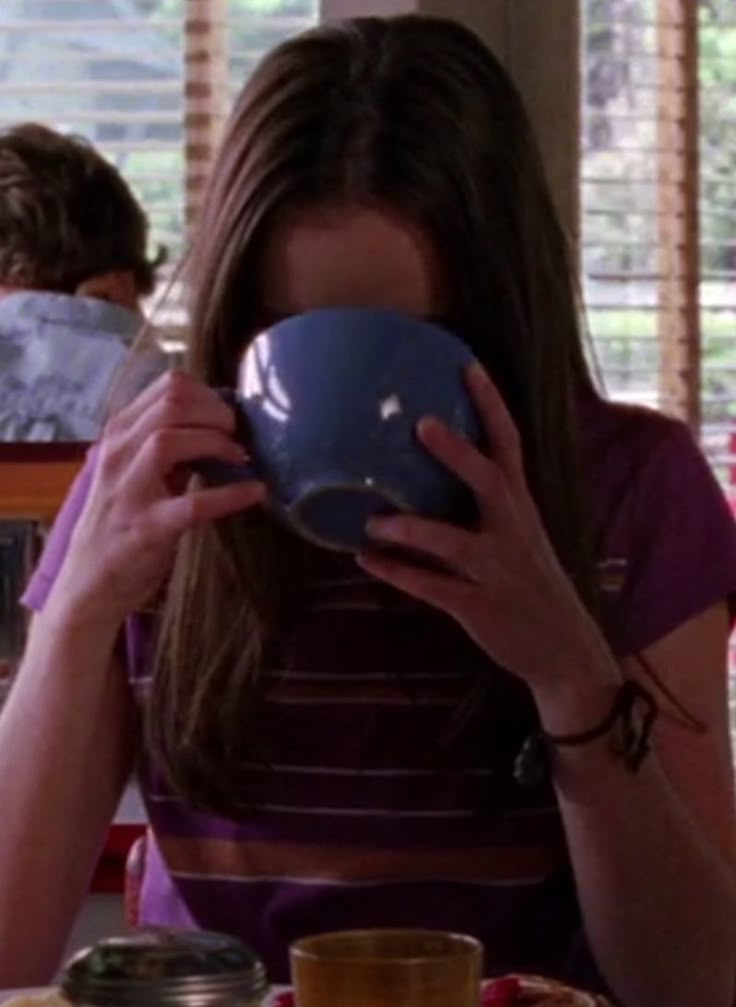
(633, 714)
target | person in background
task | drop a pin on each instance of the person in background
(73, 270)
(324, 743)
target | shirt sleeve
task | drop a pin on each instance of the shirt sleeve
(57, 542)
(682, 550)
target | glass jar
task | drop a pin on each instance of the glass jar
(171, 968)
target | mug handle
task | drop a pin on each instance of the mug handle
(218, 472)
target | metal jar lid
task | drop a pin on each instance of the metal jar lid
(163, 966)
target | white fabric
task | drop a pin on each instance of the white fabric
(58, 358)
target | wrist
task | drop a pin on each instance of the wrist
(70, 612)
(63, 650)
(579, 694)
(622, 735)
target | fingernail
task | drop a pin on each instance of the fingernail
(376, 527)
(429, 425)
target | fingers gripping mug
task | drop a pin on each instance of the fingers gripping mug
(330, 401)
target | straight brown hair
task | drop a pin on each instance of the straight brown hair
(414, 114)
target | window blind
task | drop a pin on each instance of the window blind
(150, 82)
(718, 235)
(638, 174)
(658, 175)
(223, 42)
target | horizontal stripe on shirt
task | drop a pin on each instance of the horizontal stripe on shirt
(410, 794)
(381, 690)
(269, 822)
(276, 676)
(288, 884)
(360, 676)
(357, 812)
(325, 863)
(342, 771)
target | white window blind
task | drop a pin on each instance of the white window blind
(659, 211)
(148, 81)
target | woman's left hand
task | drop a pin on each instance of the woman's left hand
(504, 583)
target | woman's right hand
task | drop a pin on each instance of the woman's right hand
(138, 504)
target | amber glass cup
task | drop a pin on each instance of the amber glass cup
(387, 968)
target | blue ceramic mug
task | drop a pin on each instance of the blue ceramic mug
(331, 400)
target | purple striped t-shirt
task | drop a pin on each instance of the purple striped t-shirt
(356, 822)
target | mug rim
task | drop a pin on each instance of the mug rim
(460, 946)
(295, 517)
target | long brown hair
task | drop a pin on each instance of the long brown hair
(412, 113)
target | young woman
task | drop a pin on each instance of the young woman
(329, 744)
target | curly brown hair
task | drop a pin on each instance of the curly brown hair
(66, 214)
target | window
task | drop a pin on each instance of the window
(148, 81)
(659, 211)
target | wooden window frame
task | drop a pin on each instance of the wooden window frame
(678, 188)
(205, 93)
